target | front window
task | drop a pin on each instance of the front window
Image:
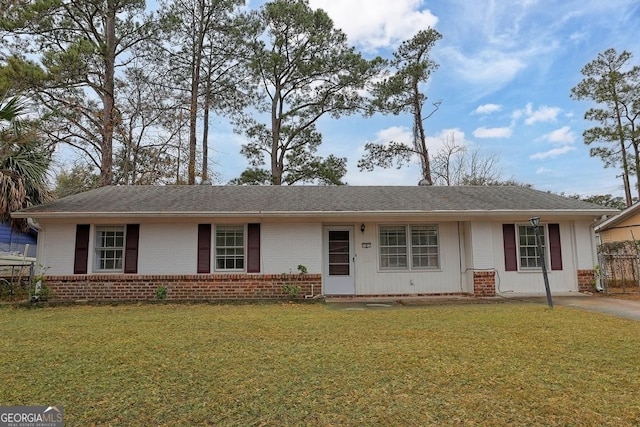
(230, 247)
(424, 246)
(393, 247)
(109, 248)
(405, 247)
(528, 246)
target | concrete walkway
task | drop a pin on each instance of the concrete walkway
(597, 303)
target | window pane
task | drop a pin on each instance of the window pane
(393, 247)
(424, 246)
(339, 254)
(229, 247)
(528, 248)
(338, 269)
(109, 247)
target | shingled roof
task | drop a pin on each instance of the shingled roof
(182, 200)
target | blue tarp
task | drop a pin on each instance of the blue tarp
(12, 241)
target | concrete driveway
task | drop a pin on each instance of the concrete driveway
(596, 303)
(600, 304)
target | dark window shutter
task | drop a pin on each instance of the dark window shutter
(204, 248)
(554, 246)
(131, 249)
(82, 249)
(510, 252)
(253, 248)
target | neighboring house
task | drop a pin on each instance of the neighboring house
(15, 242)
(212, 242)
(622, 227)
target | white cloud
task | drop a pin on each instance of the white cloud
(488, 108)
(579, 36)
(377, 24)
(544, 113)
(482, 132)
(409, 174)
(563, 136)
(405, 135)
(453, 135)
(394, 133)
(490, 68)
(542, 170)
(554, 152)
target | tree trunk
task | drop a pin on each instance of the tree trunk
(205, 141)
(276, 165)
(108, 96)
(193, 115)
(623, 148)
(205, 126)
(196, 62)
(419, 137)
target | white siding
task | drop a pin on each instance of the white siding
(482, 238)
(531, 282)
(56, 248)
(585, 246)
(171, 248)
(168, 249)
(285, 246)
(370, 280)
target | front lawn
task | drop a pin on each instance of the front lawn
(298, 364)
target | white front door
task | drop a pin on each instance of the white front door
(339, 275)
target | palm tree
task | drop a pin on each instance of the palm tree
(24, 162)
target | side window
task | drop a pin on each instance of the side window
(230, 247)
(529, 256)
(393, 247)
(424, 246)
(401, 243)
(109, 248)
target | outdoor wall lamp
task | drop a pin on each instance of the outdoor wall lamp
(362, 227)
(535, 223)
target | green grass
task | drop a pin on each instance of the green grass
(298, 364)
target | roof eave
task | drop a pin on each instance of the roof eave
(306, 214)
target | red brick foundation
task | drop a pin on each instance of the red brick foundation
(586, 280)
(484, 283)
(131, 287)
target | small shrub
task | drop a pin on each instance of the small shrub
(161, 293)
(292, 290)
(41, 291)
(289, 287)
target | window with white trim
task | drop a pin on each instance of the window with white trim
(404, 247)
(230, 247)
(529, 256)
(109, 248)
(424, 246)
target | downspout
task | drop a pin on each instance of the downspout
(462, 272)
(39, 242)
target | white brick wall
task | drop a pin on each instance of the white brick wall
(284, 246)
(56, 248)
(168, 249)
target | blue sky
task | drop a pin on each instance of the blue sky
(505, 75)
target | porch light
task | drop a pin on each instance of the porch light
(535, 223)
(362, 227)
